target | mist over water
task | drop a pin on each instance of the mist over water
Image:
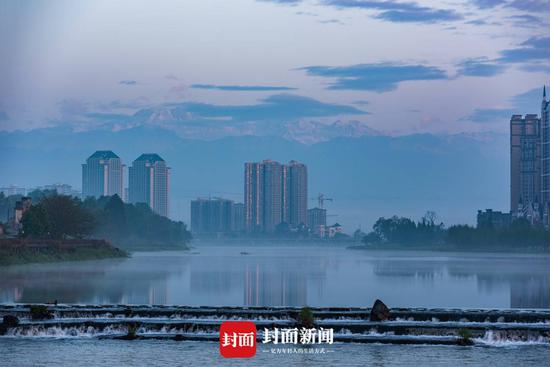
(288, 275)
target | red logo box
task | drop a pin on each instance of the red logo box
(238, 339)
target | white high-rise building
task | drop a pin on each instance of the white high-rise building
(149, 183)
(102, 175)
(545, 154)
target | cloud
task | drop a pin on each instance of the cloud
(331, 21)
(72, 107)
(381, 77)
(282, 2)
(400, 12)
(531, 5)
(525, 21)
(477, 22)
(485, 115)
(276, 108)
(534, 49)
(279, 108)
(536, 68)
(521, 104)
(241, 88)
(535, 6)
(486, 4)
(118, 104)
(479, 67)
(128, 82)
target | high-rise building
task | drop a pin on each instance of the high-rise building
(545, 154)
(253, 196)
(296, 192)
(216, 216)
(102, 175)
(149, 183)
(274, 193)
(525, 160)
(317, 221)
(272, 190)
(238, 217)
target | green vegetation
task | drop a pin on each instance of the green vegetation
(400, 232)
(519, 234)
(40, 312)
(305, 318)
(14, 255)
(465, 337)
(57, 217)
(130, 226)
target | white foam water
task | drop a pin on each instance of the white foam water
(502, 339)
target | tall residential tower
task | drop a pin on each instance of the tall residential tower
(273, 194)
(545, 153)
(102, 175)
(525, 159)
(149, 183)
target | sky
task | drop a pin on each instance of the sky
(400, 67)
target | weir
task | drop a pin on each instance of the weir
(406, 325)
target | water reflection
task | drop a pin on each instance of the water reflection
(289, 276)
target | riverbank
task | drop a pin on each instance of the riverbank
(22, 251)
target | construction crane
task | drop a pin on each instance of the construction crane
(321, 200)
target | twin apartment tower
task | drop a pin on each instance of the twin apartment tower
(149, 179)
(275, 193)
(530, 165)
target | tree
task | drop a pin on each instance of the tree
(35, 222)
(372, 238)
(57, 217)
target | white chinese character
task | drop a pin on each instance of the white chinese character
(326, 336)
(307, 336)
(229, 339)
(289, 336)
(246, 339)
(268, 335)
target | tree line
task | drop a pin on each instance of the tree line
(427, 232)
(53, 216)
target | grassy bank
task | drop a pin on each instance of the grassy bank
(17, 252)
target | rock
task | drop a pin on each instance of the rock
(379, 312)
(10, 321)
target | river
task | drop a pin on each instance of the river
(279, 275)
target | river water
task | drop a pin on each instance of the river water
(284, 275)
(279, 275)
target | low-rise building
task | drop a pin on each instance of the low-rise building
(21, 207)
(333, 230)
(13, 190)
(493, 219)
(215, 216)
